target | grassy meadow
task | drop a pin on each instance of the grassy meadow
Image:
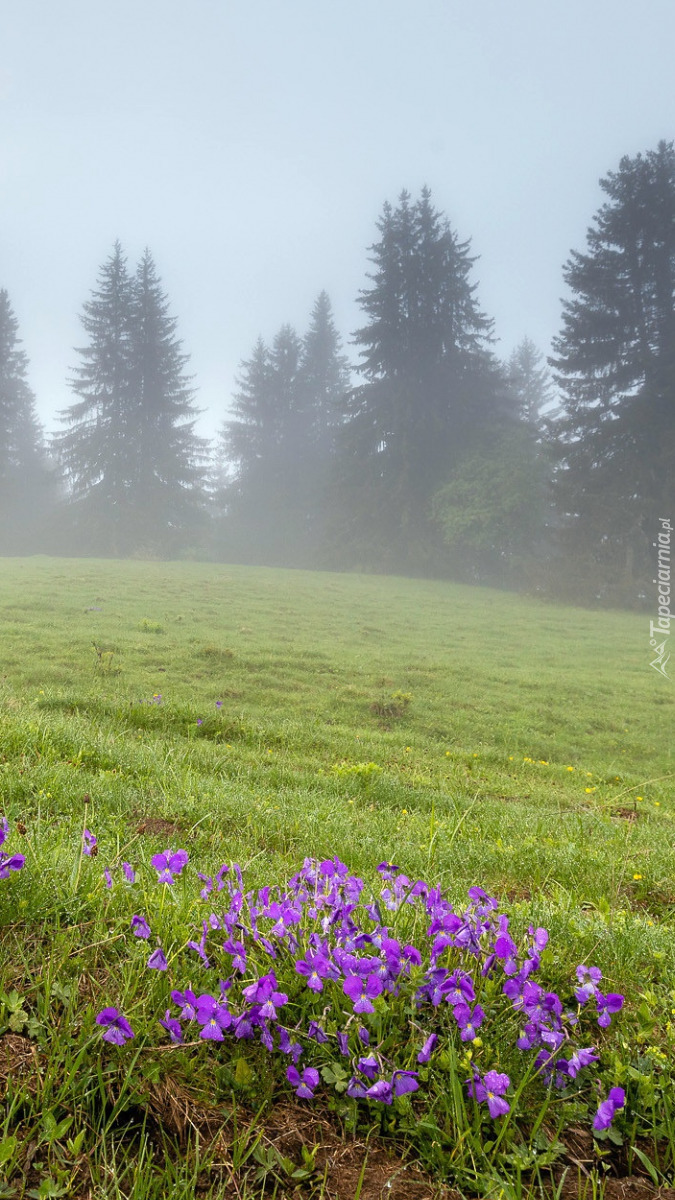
(261, 716)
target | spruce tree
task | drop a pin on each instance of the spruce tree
(248, 438)
(615, 366)
(325, 382)
(130, 453)
(430, 386)
(94, 449)
(279, 441)
(26, 480)
(530, 384)
(169, 458)
(325, 378)
(266, 442)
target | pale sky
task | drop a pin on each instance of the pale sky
(251, 144)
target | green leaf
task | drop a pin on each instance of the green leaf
(242, 1072)
(49, 1125)
(335, 1074)
(74, 1145)
(7, 1148)
(48, 1188)
(62, 992)
(63, 1127)
(648, 1165)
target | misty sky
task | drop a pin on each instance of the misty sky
(251, 143)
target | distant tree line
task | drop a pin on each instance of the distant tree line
(429, 456)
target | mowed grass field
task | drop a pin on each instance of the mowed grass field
(261, 716)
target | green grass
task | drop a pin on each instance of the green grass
(523, 747)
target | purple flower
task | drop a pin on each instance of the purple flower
(117, 1028)
(356, 1088)
(304, 1084)
(585, 974)
(244, 1025)
(491, 1088)
(266, 1038)
(140, 927)
(608, 1109)
(427, 1049)
(469, 1022)
(187, 1002)
(168, 864)
(382, 1091)
(108, 878)
(343, 1043)
(607, 1006)
(316, 968)
(287, 1046)
(388, 870)
(4, 829)
(589, 978)
(458, 989)
(214, 1016)
(505, 948)
(412, 955)
(433, 989)
(88, 844)
(362, 990)
(238, 952)
(264, 992)
(315, 1031)
(219, 704)
(539, 937)
(404, 1082)
(157, 960)
(368, 1066)
(129, 872)
(172, 1026)
(10, 862)
(208, 885)
(200, 946)
(580, 1059)
(331, 867)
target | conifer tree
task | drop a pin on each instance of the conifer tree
(130, 453)
(94, 449)
(325, 381)
(431, 385)
(279, 441)
(325, 378)
(530, 384)
(615, 366)
(27, 489)
(169, 457)
(248, 438)
(266, 441)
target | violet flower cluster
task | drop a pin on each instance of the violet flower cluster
(313, 971)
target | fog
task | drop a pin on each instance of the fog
(251, 146)
(249, 156)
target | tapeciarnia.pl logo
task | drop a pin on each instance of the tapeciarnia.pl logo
(659, 631)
